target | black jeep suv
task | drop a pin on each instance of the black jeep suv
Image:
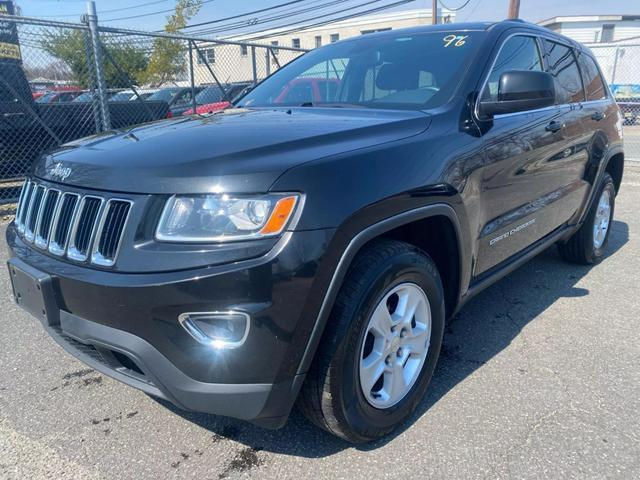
(237, 262)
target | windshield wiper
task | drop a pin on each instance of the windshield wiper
(331, 105)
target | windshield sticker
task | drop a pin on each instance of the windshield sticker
(455, 40)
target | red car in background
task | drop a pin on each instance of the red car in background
(307, 89)
(297, 91)
(212, 99)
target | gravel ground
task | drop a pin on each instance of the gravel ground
(539, 377)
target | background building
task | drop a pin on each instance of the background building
(225, 62)
(596, 28)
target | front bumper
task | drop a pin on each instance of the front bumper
(126, 326)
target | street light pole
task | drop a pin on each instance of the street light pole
(434, 12)
(514, 8)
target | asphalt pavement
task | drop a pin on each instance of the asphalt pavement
(539, 378)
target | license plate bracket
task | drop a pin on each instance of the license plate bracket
(33, 292)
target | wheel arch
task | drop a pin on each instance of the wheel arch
(402, 226)
(615, 168)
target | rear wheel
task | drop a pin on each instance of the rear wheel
(588, 244)
(381, 345)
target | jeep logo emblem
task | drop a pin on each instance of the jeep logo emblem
(60, 172)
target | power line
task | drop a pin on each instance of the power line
(325, 22)
(109, 11)
(279, 16)
(473, 10)
(158, 12)
(242, 14)
(457, 8)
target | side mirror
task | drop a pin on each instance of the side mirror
(518, 91)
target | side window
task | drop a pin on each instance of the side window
(517, 53)
(593, 84)
(564, 69)
(183, 98)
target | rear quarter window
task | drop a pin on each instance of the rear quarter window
(593, 83)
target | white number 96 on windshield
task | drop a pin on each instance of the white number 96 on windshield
(455, 40)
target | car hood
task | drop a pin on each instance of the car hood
(235, 150)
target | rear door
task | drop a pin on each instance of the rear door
(567, 166)
(518, 179)
(598, 109)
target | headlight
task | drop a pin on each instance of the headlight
(215, 218)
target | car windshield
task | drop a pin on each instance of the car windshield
(166, 94)
(83, 97)
(405, 70)
(121, 96)
(209, 95)
(46, 98)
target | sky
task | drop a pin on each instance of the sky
(148, 19)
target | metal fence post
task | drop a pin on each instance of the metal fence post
(95, 106)
(267, 59)
(191, 78)
(253, 64)
(97, 61)
(615, 65)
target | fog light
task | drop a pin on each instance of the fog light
(218, 329)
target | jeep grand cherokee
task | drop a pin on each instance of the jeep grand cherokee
(312, 250)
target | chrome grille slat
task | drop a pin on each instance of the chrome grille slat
(49, 206)
(110, 232)
(62, 223)
(84, 228)
(34, 212)
(20, 209)
(26, 204)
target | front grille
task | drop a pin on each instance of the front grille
(80, 227)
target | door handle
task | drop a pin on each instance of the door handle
(553, 126)
(597, 116)
(14, 114)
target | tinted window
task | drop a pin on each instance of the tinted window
(563, 67)
(593, 84)
(517, 53)
(85, 97)
(166, 94)
(400, 70)
(46, 98)
(209, 95)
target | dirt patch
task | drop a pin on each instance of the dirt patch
(245, 460)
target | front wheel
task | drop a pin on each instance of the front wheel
(381, 344)
(587, 246)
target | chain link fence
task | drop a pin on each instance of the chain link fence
(62, 81)
(620, 64)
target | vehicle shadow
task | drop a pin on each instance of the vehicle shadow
(508, 306)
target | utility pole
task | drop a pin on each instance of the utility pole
(514, 8)
(434, 12)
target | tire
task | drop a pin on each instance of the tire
(332, 396)
(584, 247)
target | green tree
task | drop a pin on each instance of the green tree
(168, 60)
(69, 47)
